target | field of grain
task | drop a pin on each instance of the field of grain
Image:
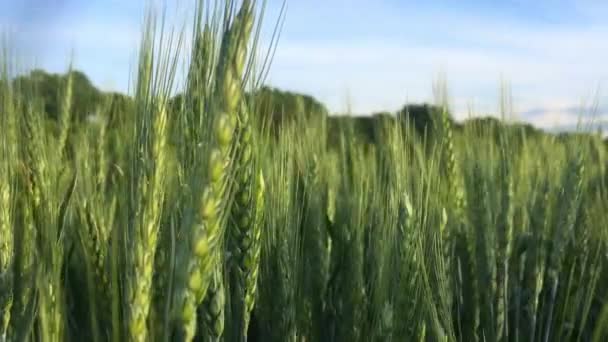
(199, 219)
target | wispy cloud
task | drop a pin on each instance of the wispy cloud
(374, 55)
(569, 117)
(551, 62)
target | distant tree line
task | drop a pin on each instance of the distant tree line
(275, 108)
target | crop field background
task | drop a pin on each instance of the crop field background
(234, 212)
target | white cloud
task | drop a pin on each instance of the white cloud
(563, 117)
(547, 66)
(385, 72)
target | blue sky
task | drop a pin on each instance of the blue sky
(367, 55)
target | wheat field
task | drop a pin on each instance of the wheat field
(199, 220)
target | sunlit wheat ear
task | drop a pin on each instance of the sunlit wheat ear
(241, 226)
(207, 233)
(101, 163)
(199, 72)
(569, 206)
(151, 187)
(6, 247)
(44, 219)
(534, 266)
(6, 212)
(455, 194)
(478, 244)
(24, 262)
(245, 247)
(66, 112)
(504, 241)
(455, 187)
(330, 211)
(455, 201)
(252, 259)
(95, 245)
(208, 228)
